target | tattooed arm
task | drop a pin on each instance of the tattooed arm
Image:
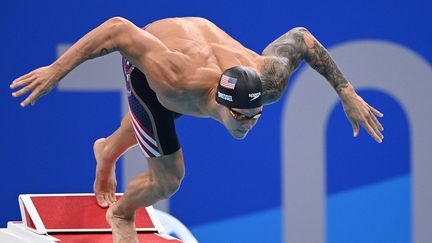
(285, 54)
(116, 34)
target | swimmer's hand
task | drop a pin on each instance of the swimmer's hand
(360, 112)
(39, 82)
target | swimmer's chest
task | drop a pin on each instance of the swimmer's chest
(191, 96)
(194, 106)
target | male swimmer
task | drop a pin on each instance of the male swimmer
(186, 66)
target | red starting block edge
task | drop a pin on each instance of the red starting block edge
(72, 218)
(50, 213)
(17, 232)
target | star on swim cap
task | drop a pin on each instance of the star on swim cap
(239, 87)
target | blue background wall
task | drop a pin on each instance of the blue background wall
(48, 148)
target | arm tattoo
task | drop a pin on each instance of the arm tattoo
(320, 60)
(274, 78)
(285, 55)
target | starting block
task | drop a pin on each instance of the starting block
(74, 218)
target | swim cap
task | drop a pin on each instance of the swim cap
(239, 87)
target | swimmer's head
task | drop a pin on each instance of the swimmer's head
(239, 87)
(240, 91)
(240, 121)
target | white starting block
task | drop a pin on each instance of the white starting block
(74, 218)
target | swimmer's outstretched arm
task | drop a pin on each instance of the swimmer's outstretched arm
(116, 34)
(285, 55)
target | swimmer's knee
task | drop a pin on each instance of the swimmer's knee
(168, 185)
(169, 179)
(169, 182)
(160, 187)
(167, 173)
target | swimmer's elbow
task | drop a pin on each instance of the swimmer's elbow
(271, 97)
(118, 29)
(299, 30)
(273, 90)
(117, 21)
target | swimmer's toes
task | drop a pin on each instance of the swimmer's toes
(101, 201)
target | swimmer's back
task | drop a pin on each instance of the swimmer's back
(175, 32)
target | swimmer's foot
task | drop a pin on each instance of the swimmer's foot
(105, 182)
(123, 230)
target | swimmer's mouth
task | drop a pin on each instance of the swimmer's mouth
(242, 130)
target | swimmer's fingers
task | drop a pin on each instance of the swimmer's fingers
(368, 120)
(39, 82)
(28, 87)
(376, 122)
(38, 90)
(373, 122)
(370, 128)
(33, 97)
(22, 82)
(375, 111)
(19, 81)
(356, 128)
(359, 112)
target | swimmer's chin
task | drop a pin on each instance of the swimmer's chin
(239, 135)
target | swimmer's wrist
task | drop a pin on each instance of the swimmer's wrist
(59, 70)
(345, 91)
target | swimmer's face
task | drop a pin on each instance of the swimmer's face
(240, 121)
